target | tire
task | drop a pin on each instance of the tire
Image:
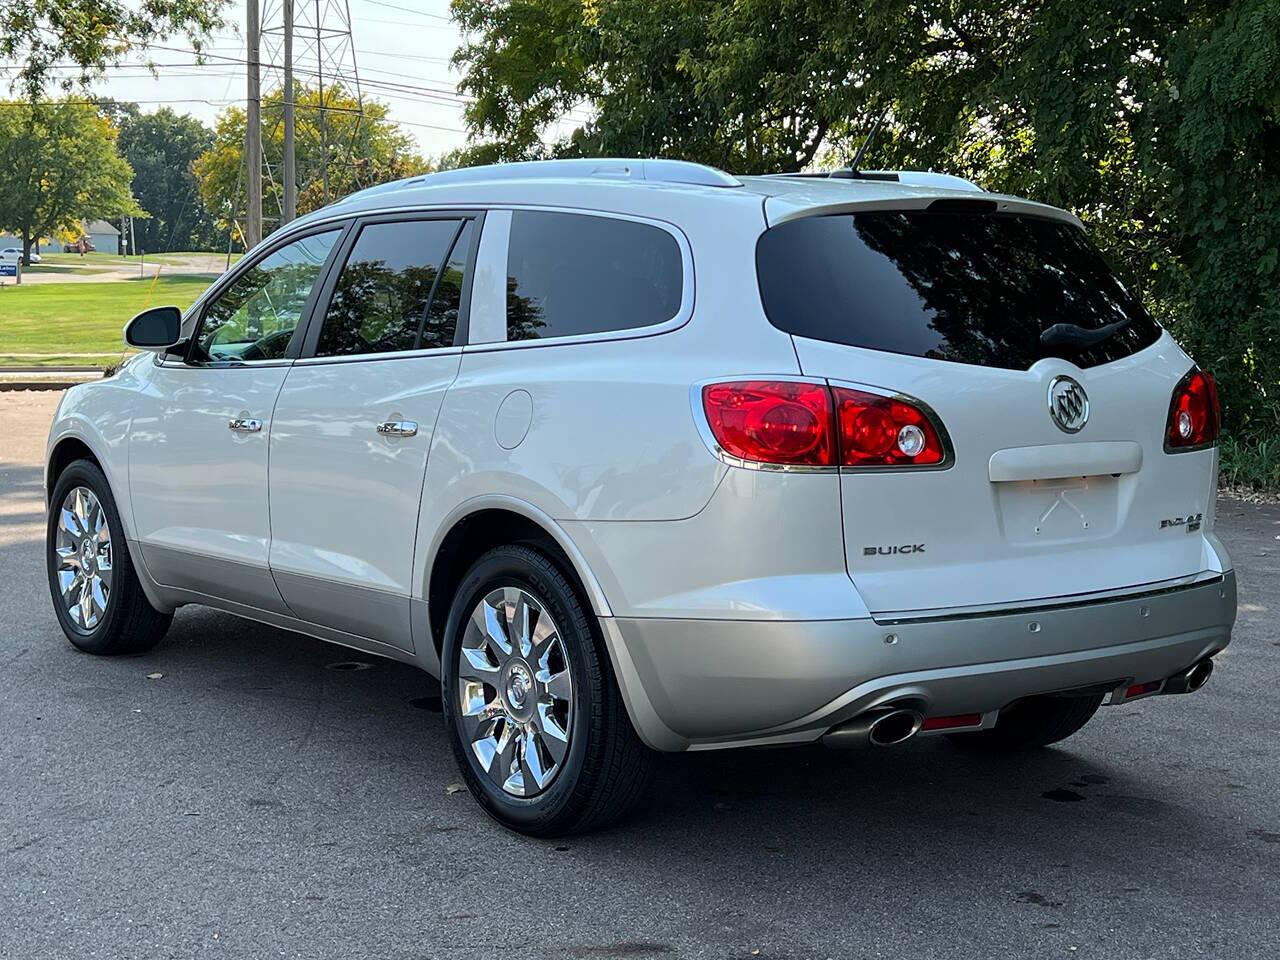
(128, 623)
(1034, 722)
(603, 769)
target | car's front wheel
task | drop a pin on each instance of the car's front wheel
(96, 594)
(535, 716)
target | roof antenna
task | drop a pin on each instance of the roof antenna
(857, 157)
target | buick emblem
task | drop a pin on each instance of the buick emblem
(1068, 404)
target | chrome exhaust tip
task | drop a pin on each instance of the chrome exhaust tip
(881, 727)
(896, 727)
(1191, 679)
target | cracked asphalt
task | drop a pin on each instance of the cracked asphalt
(251, 803)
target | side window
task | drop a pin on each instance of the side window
(383, 298)
(570, 274)
(255, 317)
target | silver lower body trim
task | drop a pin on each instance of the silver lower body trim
(703, 684)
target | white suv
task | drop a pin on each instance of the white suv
(637, 455)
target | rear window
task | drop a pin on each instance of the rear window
(996, 290)
(570, 274)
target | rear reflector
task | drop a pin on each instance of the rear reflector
(951, 723)
(1141, 689)
(791, 423)
(1194, 415)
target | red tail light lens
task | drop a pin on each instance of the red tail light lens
(1194, 416)
(813, 425)
(768, 421)
(878, 431)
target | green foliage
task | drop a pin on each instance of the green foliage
(161, 148)
(37, 35)
(1250, 465)
(60, 166)
(1157, 122)
(389, 154)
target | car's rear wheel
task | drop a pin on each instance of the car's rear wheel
(1034, 722)
(535, 716)
(96, 594)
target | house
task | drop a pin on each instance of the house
(104, 237)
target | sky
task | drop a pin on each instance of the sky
(401, 47)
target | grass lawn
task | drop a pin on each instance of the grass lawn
(68, 318)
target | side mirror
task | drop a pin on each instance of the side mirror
(156, 329)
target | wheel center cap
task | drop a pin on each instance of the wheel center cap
(86, 555)
(518, 685)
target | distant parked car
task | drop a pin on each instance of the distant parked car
(15, 253)
(83, 245)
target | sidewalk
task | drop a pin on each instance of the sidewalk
(45, 378)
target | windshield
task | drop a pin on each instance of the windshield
(997, 290)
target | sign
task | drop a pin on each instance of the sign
(8, 269)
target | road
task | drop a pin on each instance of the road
(104, 271)
(251, 803)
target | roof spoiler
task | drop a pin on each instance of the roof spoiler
(912, 178)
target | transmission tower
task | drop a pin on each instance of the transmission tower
(317, 54)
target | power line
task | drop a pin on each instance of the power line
(390, 90)
(228, 69)
(420, 13)
(99, 102)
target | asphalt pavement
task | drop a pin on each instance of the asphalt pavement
(230, 795)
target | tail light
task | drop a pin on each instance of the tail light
(810, 424)
(878, 431)
(1194, 416)
(772, 421)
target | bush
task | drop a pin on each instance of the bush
(1250, 465)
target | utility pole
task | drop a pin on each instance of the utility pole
(253, 130)
(290, 163)
(235, 208)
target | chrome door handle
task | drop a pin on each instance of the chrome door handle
(244, 425)
(398, 428)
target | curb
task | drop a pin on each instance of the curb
(45, 378)
(12, 386)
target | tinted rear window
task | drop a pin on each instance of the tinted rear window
(570, 274)
(970, 288)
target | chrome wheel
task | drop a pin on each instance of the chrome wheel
(515, 691)
(84, 558)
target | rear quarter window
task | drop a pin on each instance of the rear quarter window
(571, 274)
(991, 289)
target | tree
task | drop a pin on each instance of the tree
(39, 34)
(389, 154)
(1158, 123)
(162, 147)
(61, 166)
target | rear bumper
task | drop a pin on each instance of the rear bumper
(701, 684)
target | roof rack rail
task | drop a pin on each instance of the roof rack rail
(605, 168)
(912, 178)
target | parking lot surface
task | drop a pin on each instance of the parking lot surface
(229, 795)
